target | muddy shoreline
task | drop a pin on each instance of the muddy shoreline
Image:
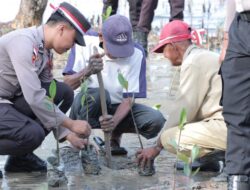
(159, 74)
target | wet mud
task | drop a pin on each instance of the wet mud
(124, 174)
(147, 170)
(90, 160)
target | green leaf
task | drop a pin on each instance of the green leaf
(106, 15)
(195, 152)
(108, 11)
(173, 143)
(183, 119)
(84, 87)
(196, 171)
(183, 157)
(52, 89)
(157, 106)
(92, 98)
(123, 82)
(83, 98)
(187, 171)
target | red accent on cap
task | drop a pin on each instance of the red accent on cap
(74, 18)
(52, 6)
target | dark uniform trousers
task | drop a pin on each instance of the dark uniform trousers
(20, 130)
(141, 12)
(235, 72)
(148, 120)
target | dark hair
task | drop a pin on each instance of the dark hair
(56, 18)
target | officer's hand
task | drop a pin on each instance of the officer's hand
(222, 55)
(81, 128)
(144, 156)
(107, 123)
(95, 64)
(76, 141)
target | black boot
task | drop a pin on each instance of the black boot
(238, 182)
(222, 177)
(213, 161)
(25, 163)
(142, 39)
(115, 142)
(1, 174)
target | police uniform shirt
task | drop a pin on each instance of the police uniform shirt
(24, 64)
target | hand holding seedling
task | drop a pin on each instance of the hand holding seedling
(107, 123)
(80, 127)
(76, 141)
(95, 64)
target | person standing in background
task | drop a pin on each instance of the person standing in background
(235, 73)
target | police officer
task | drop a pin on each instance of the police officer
(235, 72)
(26, 114)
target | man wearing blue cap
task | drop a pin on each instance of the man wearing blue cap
(26, 113)
(121, 56)
(141, 15)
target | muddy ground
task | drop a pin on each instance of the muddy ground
(159, 76)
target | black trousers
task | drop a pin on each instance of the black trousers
(235, 72)
(20, 130)
(141, 12)
(148, 120)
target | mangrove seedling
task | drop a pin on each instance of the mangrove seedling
(186, 160)
(52, 94)
(124, 83)
(107, 13)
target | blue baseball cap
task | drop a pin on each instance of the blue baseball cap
(117, 33)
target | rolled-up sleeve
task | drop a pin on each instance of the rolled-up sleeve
(34, 94)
